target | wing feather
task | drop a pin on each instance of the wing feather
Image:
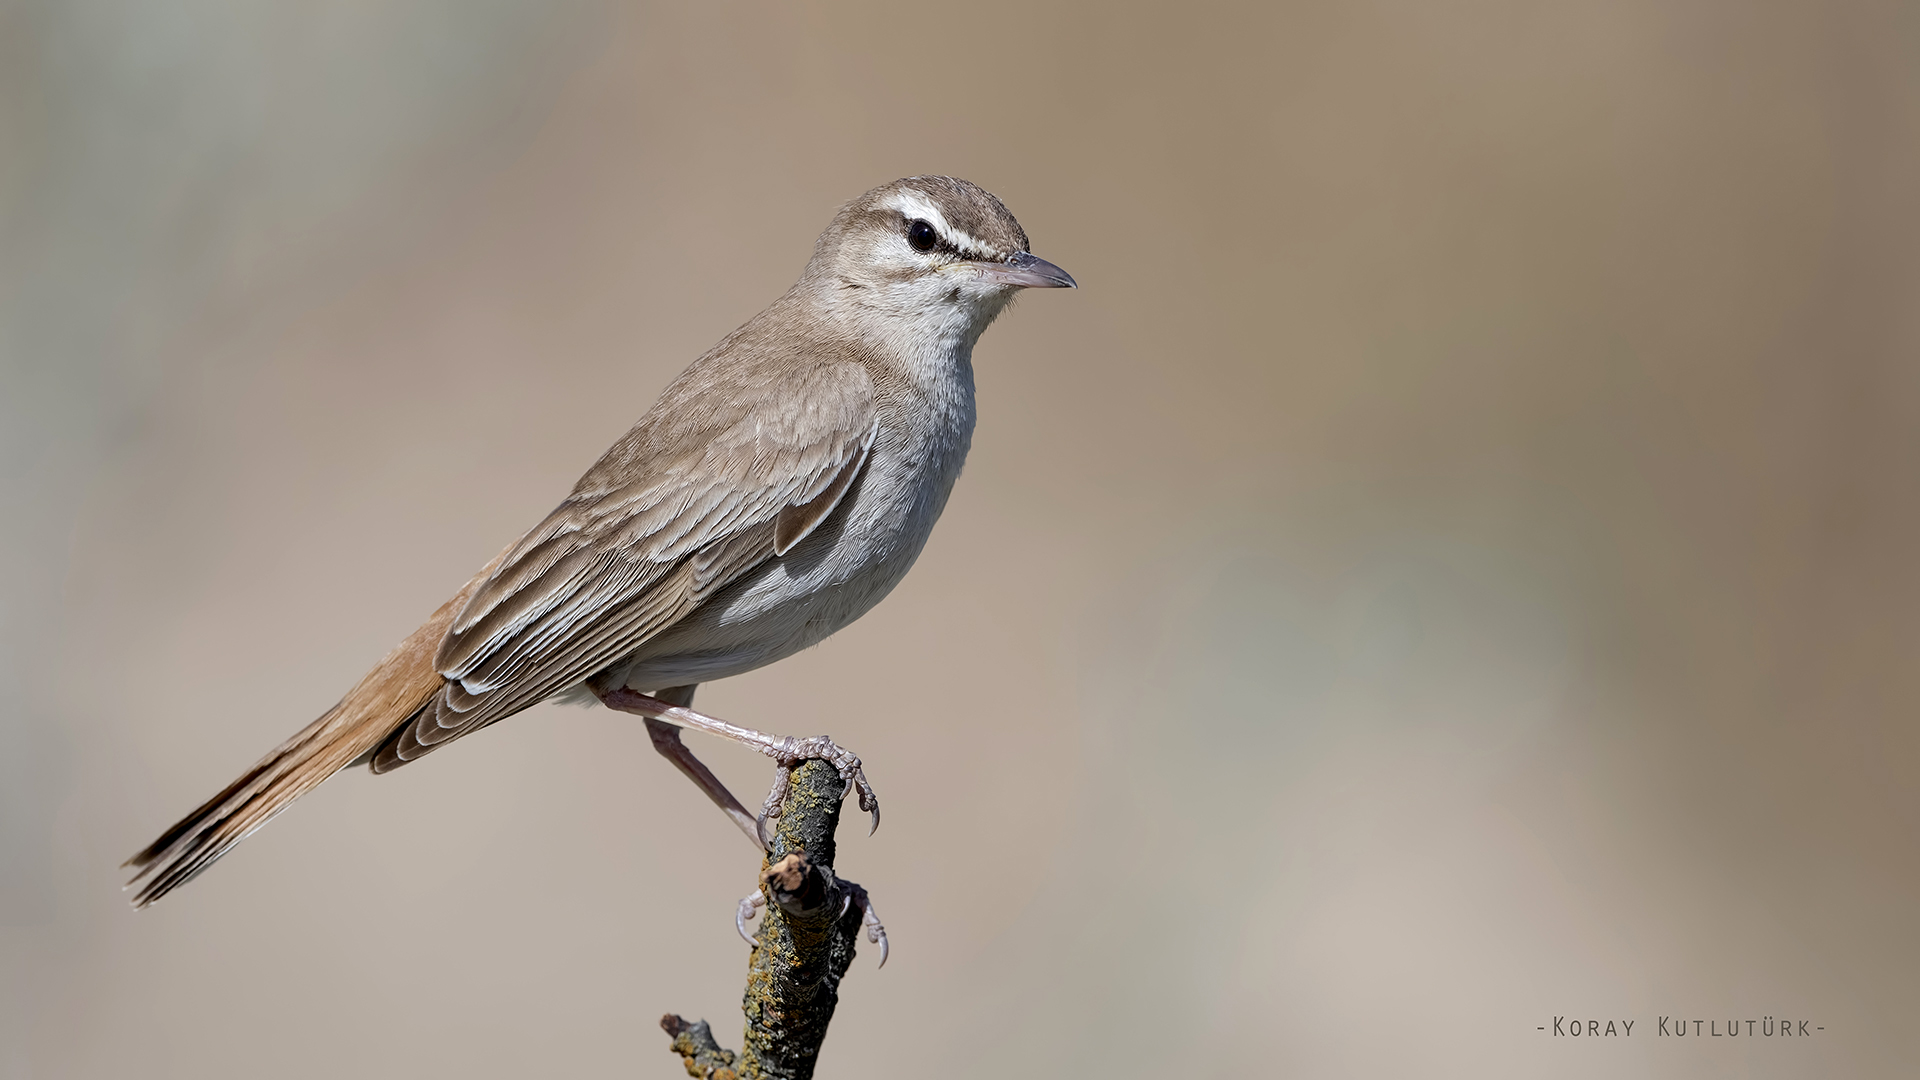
(680, 508)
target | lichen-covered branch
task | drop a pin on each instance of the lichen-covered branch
(697, 1047)
(804, 945)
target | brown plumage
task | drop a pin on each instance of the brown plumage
(673, 513)
(396, 688)
(779, 488)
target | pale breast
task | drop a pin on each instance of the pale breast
(856, 556)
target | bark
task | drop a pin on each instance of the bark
(801, 951)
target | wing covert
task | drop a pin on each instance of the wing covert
(682, 506)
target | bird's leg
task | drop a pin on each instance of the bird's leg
(786, 751)
(666, 740)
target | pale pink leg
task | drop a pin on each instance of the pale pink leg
(666, 740)
(786, 751)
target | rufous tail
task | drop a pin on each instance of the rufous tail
(389, 696)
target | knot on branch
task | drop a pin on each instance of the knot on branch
(798, 886)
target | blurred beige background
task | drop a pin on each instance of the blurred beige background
(1451, 565)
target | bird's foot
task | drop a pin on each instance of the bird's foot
(790, 752)
(870, 919)
(749, 908)
(750, 905)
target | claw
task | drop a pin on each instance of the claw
(790, 752)
(749, 907)
(876, 933)
(857, 779)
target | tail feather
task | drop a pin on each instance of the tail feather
(391, 694)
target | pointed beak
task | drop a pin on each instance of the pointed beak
(1025, 271)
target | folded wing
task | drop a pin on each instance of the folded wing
(688, 501)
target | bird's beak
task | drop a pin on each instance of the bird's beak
(1025, 271)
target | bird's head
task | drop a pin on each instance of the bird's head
(927, 252)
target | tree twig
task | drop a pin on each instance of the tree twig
(804, 945)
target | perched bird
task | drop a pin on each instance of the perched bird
(777, 490)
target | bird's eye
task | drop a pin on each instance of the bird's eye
(921, 235)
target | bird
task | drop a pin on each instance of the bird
(776, 491)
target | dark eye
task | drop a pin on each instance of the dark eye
(921, 235)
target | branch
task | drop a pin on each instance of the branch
(803, 948)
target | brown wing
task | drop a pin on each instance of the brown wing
(694, 496)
